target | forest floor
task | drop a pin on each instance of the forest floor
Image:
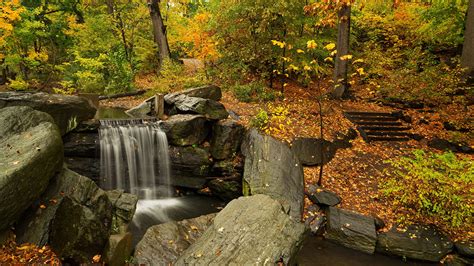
(355, 173)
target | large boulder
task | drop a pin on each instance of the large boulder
(74, 216)
(421, 242)
(226, 138)
(162, 244)
(272, 169)
(31, 152)
(66, 110)
(185, 130)
(211, 92)
(209, 108)
(351, 230)
(249, 230)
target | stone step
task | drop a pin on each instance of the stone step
(383, 128)
(354, 113)
(387, 133)
(379, 123)
(382, 138)
(357, 119)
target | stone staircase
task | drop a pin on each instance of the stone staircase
(380, 126)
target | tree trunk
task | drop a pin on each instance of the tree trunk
(341, 66)
(467, 59)
(159, 30)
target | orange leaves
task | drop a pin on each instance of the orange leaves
(96, 258)
(201, 43)
(27, 253)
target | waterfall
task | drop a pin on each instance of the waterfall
(134, 157)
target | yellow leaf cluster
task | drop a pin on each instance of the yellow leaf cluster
(278, 43)
(9, 14)
(330, 46)
(346, 57)
(311, 44)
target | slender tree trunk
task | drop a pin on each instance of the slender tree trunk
(159, 30)
(321, 133)
(341, 66)
(3, 75)
(283, 67)
(110, 6)
(467, 59)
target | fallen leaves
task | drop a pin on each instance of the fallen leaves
(12, 253)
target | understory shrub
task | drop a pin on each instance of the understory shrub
(275, 121)
(254, 91)
(436, 185)
(174, 77)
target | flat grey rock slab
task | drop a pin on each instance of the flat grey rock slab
(351, 229)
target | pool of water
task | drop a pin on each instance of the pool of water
(153, 212)
(317, 251)
(105, 112)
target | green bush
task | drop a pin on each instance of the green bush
(174, 77)
(260, 120)
(18, 84)
(434, 185)
(254, 91)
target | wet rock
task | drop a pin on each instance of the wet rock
(67, 111)
(322, 196)
(189, 161)
(231, 167)
(31, 152)
(379, 223)
(249, 230)
(211, 92)
(185, 130)
(124, 206)
(226, 190)
(118, 249)
(75, 218)
(456, 260)
(209, 108)
(162, 244)
(89, 167)
(81, 145)
(446, 145)
(421, 242)
(226, 138)
(465, 248)
(6, 236)
(308, 150)
(271, 168)
(316, 223)
(143, 110)
(351, 229)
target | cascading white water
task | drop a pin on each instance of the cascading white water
(134, 157)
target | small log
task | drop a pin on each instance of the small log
(121, 95)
